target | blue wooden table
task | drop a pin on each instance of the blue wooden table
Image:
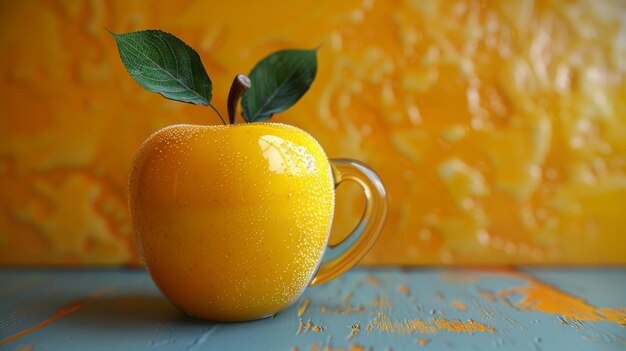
(365, 309)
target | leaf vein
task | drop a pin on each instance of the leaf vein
(146, 57)
(273, 95)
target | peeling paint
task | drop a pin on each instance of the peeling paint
(404, 289)
(302, 308)
(60, 313)
(460, 306)
(384, 323)
(356, 328)
(308, 326)
(542, 297)
(422, 341)
(351, 347)
(300, 328)
(344, 308)
(325, 309)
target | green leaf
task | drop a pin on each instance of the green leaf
(278, 82)
(164, 64)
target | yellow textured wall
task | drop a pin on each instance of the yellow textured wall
(498, 127)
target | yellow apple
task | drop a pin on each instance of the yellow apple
(232, 220)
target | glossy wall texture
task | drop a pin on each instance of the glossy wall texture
(498, 127)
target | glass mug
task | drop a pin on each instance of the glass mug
(233, 221)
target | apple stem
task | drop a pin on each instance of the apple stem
(241, 83)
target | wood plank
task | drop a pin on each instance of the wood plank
(378, 309)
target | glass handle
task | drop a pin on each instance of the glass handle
(341, 257)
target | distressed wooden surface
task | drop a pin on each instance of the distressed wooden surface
(378, 309)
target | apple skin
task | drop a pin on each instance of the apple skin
(232, 221)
